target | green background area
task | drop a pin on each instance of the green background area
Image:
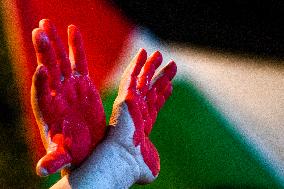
(196, 146)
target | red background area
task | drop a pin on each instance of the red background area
(104, 30)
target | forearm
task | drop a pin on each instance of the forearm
(110, 166)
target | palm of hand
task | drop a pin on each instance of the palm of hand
(67, 106)
(71, 112)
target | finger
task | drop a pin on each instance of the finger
(135, 67)
(161, 80)
(168, 91)
(151, 99)
(148, 126)
(144, 109)
(46, 56)
(40, 80)
(129, 77)
(162, 97)
(61, 55)
(76, 50)
(41, 99)
(56, 158)
(137, 63)
(152, 63)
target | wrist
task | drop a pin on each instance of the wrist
(109, 166)
(121, 131)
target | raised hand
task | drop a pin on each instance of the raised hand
(126, 155)
(141, 95)
(66, 104)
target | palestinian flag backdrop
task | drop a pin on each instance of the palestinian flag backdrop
(223, 126)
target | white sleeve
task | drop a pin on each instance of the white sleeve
(110, 166)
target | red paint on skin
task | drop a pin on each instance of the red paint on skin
(58, 158)
(96, 20)
(61, 55)
(79, 117)
(148, 150)
(72, 109)
(144, 102)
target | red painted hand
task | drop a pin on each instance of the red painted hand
(66, 104)
(144, 94)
